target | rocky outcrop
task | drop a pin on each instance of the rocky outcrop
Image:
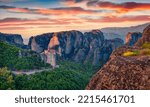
(35, 47)
(41, 40)
(74, 45)
(132, 38)
(115, 43)
(13, 39)
(145, 37)
(124, 72)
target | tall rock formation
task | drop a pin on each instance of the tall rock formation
(74, 45)
(145, 37)
(42, 40)
(35, 47)
(13, 39)
(132, 38)
(54, 41)
(125, 72)
(49, 55)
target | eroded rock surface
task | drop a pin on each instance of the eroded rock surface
(74, 45)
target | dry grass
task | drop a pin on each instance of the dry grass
(146, 45)
(131, 53)
(145, 52)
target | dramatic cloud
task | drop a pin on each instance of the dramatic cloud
(122, 7)
(64, 10)
(50, 11)
(41, 21)
(9, 23)
(12, 22)
(40, 16)
(73, 2)
(15, 9)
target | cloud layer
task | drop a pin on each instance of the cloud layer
(120, 7)
(70, 14)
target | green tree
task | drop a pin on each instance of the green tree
(6, 79)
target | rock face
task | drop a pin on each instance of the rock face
(112, 36)
(41, 40)
(35, 47)
(51, 53)
(132, 38)
(124, 72)
(145, 37)
(74, 45)
(13, 39)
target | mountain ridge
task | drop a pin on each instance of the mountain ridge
(76, 46)
(122, 31)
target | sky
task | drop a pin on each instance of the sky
(33, 17)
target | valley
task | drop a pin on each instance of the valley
(72, 60)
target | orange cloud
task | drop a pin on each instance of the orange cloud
(73, 2)
(7, 23)
(50, 11)
(22, 10)
(64, 11)
(120, 8)
(11, 23)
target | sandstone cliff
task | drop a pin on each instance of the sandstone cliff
(145, 37)
(74, 45)
(125, 72)
(132, 38)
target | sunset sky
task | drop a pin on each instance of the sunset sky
(32, 17)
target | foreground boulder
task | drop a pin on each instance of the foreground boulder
(122, 73)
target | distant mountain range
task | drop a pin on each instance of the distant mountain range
(121, 32)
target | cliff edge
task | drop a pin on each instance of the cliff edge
(127, 69)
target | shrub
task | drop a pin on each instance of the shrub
(146, 45)
(131, 53)
(6, 79)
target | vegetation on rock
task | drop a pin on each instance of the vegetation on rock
(131, 53)
(146, 45)
(144, 51)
